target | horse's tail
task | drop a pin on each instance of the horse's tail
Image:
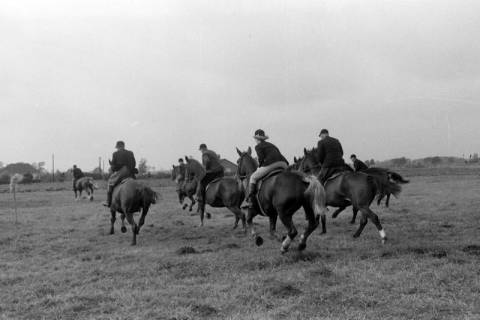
(151, 195)
(397, 178)
(316, 195)
(383, 186)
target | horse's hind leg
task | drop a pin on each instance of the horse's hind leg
(238, 215)
(124, 228)
(141, 222)
(313, 223)
(90, 195)
(354, 216)
(286, 218)
(337, 212)
(192, 203)
(363, 223)
(135, 228)
(387, 203)
(112, 221)
(380, 198)
(376, 221)
(273, 226)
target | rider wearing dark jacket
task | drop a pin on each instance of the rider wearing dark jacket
(330, 155)
(77, 174)
(358, 165)
(213, 170)
(123, 166)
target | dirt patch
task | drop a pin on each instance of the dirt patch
(186, 250)
(472, 249)
(204, 310)
(439, 254)
(229, 246)
(283, 290)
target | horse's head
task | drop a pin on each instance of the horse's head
(246, 164)
(309, 162)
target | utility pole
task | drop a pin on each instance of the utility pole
(100, 165)
(53, 167)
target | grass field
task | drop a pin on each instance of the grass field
(61, 263)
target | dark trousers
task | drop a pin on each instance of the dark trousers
(209, 177)
(326, 173)
(115, 179)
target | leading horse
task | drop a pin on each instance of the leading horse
(128, 197)
(281, 196)
(356, 189)
(225, 192)
(86, 184)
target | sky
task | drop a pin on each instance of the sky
(387, 78)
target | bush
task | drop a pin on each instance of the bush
(4, 179)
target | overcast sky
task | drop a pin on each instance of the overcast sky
(388, 78)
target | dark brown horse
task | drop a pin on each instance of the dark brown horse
(356, 189)
(86, 184)
(226, 192)
(185, 187)
(281, 196)
(129, 197)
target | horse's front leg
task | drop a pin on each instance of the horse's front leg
(313, 222)
(192, 203)
(354, 216)
(112, 221)
(337, 212)
(250, 215)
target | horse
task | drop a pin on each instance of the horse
(185, 188)
(128, 197)
(389, 176)
(225, 192)
(86, 184)
(281, 195)
(356, 189)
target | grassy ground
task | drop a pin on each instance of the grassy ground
(62, 264)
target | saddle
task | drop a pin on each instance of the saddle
(260, 183)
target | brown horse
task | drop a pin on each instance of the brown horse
(131, 196)
(225, 192)
(356, 189)
(281, 196)
(185, 187)
(86, 184)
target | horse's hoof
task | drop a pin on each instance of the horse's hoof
(258, 241)
(356, 235)
(283, 250)
(111, 232)
(302, 246)
(384, 240)
(234, 226)
(208, 215)
(123, 229)
(133, 244)
(283, 238)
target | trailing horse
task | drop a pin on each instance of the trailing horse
(86, 184)
(185, 187)
(281, 195)
(356, 189)
(128, 197)
(225, 192)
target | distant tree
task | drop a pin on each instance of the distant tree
(372, 162)
(27, 177)
(142, 167)
(475, 158)
(436, 161)
(1, 164)
(399, 162)
(4, 179)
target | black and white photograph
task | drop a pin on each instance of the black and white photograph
(240, 159)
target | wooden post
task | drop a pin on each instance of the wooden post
(53, 167)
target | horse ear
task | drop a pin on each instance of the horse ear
(239, 152)
(305, 152)
(249, 151)
(295, 159)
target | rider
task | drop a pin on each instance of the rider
(77, 174)
(330, 154)
(123, 166)
(358, 165)
(269, 159)
(213, 170)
